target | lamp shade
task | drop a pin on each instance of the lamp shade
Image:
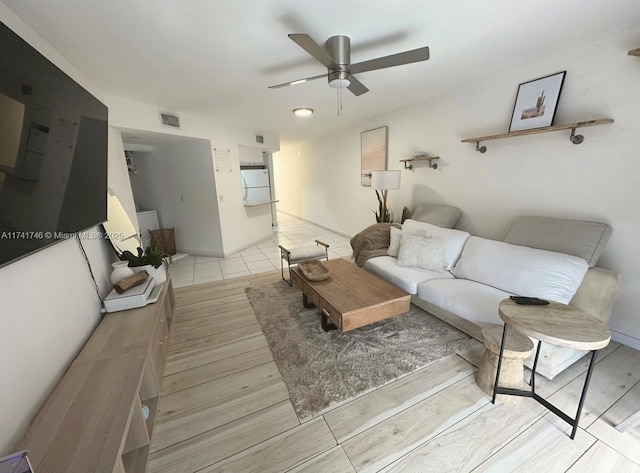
(123, 233)
(385, 180)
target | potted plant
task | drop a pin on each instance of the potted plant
(151, 260)
(384, 213)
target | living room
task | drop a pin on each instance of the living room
(317, 168)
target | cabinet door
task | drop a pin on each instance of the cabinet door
(158, 349)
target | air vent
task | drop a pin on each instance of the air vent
(259, 139)
(170, 120)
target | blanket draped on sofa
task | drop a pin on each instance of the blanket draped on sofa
(372, 241)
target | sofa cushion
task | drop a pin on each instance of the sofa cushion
(404, 277)
(521, 270)
(421, 252)
(394, 241)
(454, 240)
(440, 215)
(470, 300)
(572, 237)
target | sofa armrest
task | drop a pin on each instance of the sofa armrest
(597, 293)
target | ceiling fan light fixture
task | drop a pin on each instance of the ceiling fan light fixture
(303, 112)
(339, 83)
(336, 57)
(339, 79)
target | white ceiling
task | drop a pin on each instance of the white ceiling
(219, 56)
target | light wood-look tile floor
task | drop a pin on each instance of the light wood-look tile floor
(224, 408)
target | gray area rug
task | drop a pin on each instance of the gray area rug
(322, 369)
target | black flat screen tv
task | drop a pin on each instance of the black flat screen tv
(53, 152)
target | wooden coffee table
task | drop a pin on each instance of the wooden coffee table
(352, 297)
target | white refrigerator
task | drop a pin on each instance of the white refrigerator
(255, 186)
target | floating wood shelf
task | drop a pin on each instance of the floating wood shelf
(634, 52)
(421, 158)
(575, 139)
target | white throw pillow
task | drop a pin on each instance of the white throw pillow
(394, 241)
(421, 252)
(521, 270)
(453, 240)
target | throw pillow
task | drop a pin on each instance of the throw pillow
(453, 240)
(421, 252)
(394, 241)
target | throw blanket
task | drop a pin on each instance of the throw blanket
(372, 241)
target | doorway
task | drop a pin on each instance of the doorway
(173, 184)
(254, 157)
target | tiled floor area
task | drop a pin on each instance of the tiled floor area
(265, 256)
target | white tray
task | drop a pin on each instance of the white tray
(137, 296)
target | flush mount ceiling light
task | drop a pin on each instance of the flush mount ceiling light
(303, 112)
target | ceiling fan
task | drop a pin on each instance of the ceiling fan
(336, 57)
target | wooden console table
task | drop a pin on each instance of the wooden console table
(93, 421)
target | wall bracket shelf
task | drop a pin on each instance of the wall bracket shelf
(575, 139)
(421, 158)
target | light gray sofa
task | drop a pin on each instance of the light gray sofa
(542, 257)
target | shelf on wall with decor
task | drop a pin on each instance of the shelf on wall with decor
(575, 139)
(420, 159)
(634, 52)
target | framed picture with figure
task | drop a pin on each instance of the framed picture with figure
(536, 102)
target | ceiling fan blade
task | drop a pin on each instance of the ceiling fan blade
(296, 82)
(407, 57)
(356, 87)
(307, 43)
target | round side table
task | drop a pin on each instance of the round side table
(558, 324)
(517, 348)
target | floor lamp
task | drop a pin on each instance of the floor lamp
(382, 182)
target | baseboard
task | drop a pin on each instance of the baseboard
(215, 254)
(625, 339)
(220, 254)
(245, 246)
(317, 224)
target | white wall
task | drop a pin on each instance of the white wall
(49, 305)
(241, 227)
(318, 179)
(177, 180)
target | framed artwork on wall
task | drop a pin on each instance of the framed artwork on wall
(373, 153)
(536, 102)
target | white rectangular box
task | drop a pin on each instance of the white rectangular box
(137, 296)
